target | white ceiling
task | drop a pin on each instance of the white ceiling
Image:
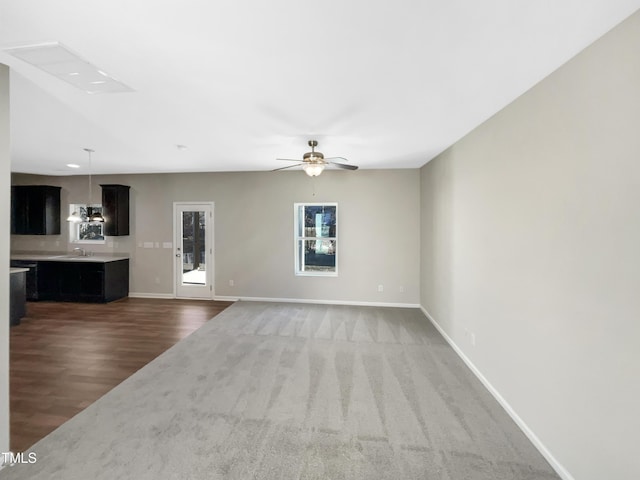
(241, 82)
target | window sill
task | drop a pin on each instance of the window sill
(89, 242)
(316, 274)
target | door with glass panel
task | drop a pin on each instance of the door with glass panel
(193, 249)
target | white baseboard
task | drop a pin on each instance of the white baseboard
(555, 464)
(151, 295)
(164, 296)
(323, 302)
(224, 298)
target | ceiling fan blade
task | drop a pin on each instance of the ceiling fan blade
(342, 165)
(289, 159)
(331, 159)
(289, 166)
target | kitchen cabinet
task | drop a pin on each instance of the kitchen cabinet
(48, 283)
(83, 281)
(35, 210)
(115, 208)
(31, 277)
(17, 298)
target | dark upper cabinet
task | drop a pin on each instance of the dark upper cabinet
(35, 210)
(115, 208)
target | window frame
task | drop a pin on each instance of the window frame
(297, 238)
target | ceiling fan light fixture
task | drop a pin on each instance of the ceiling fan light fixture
(313, 162)
(313, 169)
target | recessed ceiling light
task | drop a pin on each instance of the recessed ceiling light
(72, 165)
(59, 61)
(181, 147)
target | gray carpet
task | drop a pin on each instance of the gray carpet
(292, 391)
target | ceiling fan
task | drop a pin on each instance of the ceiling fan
(313, 162)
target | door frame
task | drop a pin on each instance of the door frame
(211, 237)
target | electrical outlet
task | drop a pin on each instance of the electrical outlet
(401, 288)
(381, 288)
(231, 283)
(473, 339)
(157, 279)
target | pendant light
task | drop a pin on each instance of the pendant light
(74, 217)
(97, 216)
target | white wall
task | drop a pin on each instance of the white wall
(5, 182)
(530, 241)
(378, 237)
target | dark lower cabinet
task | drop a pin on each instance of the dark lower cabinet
(83, 281)
(48, 280)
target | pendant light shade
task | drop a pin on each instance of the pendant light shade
(74, 217)
(95, 217)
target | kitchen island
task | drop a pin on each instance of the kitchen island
(71, 277)
(17, 298)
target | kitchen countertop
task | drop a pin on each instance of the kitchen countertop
(68, 257)
(18, 270)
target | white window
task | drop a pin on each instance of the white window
(316, 239)
(85, 231)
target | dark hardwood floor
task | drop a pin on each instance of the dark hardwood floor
(64, 356)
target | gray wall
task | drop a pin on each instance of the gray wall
(530, 238)
(379, 228)
(5, 181)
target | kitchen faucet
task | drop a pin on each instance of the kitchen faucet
(82, 251)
